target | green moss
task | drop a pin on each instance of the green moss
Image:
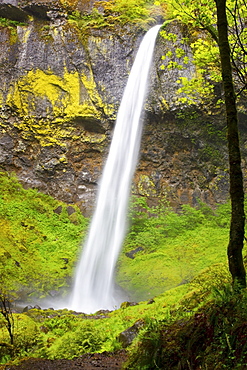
(212, 337)
(32, 231)
(70, 4)
(171, 248)
(4, 22)
(11, 26)
(114, 12)
(190, 246)
(174, 246)
(25, 333)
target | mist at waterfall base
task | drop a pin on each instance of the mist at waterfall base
(94, 285)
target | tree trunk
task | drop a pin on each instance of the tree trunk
(235, 246)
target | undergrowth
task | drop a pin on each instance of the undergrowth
(165, 249)
(114, 12)
(212, 338)
(39, 240)
(179, 260)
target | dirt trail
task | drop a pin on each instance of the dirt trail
(95, 361)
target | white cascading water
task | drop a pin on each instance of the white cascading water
(94, 286)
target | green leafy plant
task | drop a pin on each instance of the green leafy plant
(5, 22)
(211, 337)
(31, 230)
(114, 12)
(83, 339)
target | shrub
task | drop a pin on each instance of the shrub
(86, 338)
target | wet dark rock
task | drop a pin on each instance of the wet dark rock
(9, 9)
(128, 304)
(7, 142)
(43, 10)
(37, 307)
(58, 210)
(70, 210)
(27, 308)
(39, 11)
(132, 253)
(91, 125)
(128, 335)
(103, 312)
(43, 329)
(54, 293)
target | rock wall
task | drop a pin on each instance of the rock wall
(60, 89)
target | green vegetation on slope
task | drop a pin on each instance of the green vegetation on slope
(185, 252)
(165, 249)
(39, 240)
(214, 337)
(62, 334)
(113, 12)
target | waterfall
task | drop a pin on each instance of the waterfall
(94, 286)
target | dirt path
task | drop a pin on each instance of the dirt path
(96, 361)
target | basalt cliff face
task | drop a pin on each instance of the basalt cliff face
(60, 89)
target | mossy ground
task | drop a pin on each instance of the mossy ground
(39, 248)
(213, 337)
(172, 248)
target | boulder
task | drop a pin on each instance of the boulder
(128, 335)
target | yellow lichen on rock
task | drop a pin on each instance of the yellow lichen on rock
(93, 137)
(71, 95)
(1, 100)
(45, 131)
(60, 99)
(146, 186)
(70, 3)
(23, 34)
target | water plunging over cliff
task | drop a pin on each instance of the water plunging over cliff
(94, 281)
